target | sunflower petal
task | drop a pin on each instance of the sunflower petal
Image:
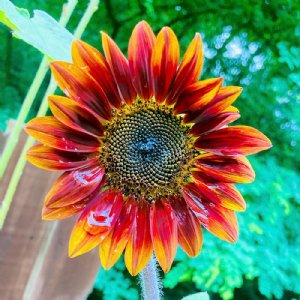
(90, 60)
(73, 186)
(164, 62)
(217, 219)
(214, 168)
(95, 222)
(73, 115)
(235, 140)
(50, 132)
(113, 245)
(163, 228)
(189, 69)
(119, 67)
(214, 122)
(197, 95)
(189, 229)
(60, 213)
(231, 197)
(139, 247)
(80, 87)
(140, 49)
(222, 102)
(52, 159)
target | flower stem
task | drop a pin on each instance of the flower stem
(17, 173)
(150, 281)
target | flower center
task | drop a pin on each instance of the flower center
(145, 151)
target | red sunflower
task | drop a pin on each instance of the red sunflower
(146, 150)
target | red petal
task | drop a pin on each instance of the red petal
(95, 222)
(75, 116)
(218, 220)
(139, 247)
(79, 86)
(220, 194)
(189, 229)
(52, 159)
(214, 168)
(164, 62)
(214, 122)
(189, 69)
(113, 245)
(59, 213)
(73, 186)
(235, 140)
(50, 132)
(119, 67)
(163, 228)
(225, 97)
(90, 60)
(197, 95)
(140, 48)
(231, 197)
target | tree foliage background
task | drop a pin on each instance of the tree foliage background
(254, 44)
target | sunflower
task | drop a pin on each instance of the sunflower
(145, 149)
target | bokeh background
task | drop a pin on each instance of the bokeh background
(253, 44)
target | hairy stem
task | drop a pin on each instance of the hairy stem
(150, 281)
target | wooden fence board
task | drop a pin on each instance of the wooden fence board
(33, 253)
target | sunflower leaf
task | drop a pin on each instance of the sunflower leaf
(41, 31)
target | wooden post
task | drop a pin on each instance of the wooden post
(33, 253)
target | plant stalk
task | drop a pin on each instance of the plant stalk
(16, 176)
(150, 281)
(31, 94)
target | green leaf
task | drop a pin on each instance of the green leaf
(198, 296)
(41, 31)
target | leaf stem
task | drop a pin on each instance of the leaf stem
(31, 94)
(150, 281)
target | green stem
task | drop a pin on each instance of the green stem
(91, 9)
(149, 281)
(18, 126)
(31, 94)
(16, 176)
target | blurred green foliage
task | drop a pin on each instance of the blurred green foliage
(254, 44)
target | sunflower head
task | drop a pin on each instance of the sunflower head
(145, 148)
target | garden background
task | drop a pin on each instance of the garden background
(253, 44)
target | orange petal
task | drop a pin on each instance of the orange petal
(231, 197)
(140, 48)
(189, 229)
(163, 228)
(59, 213)
(164, 62)
(81, 87)
(235, 140)
(119, 67)
(189, 69)
(72, 114)
(214, 168)
(52, 159)
(90, 60)
(214, 122)
(139, 247)
(197, 95)
(114, 244)
(219, 220)
(95, 222)
(220, 194)
(222, 101)
(73, 186)
(50, 132)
